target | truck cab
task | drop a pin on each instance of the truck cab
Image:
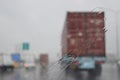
(6, 62)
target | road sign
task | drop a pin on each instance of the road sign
(16, 57)
(25, 46)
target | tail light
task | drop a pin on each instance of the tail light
(99, 62)
(76, 62)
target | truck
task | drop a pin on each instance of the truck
(44, 60)
(29, 61)
(6, 62)
(83, 41)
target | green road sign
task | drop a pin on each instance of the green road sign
(25, 46)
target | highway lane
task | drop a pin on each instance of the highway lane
(56, 72)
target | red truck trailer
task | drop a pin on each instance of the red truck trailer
(83, 38)
(44, 60)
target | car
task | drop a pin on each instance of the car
(29, 64)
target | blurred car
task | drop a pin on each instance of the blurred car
(29, 61)
(29, 64)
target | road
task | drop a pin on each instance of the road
(56, 72)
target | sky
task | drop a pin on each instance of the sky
(40, 22)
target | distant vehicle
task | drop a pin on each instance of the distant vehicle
(6, 62)
(83, 40)
(44, 60)
(29, 61)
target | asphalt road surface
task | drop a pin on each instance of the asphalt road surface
(56, 72)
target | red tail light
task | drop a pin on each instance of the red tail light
(76, 62)
(99, 62)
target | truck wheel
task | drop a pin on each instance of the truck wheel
(98, 69)
(0, 69)
(4, 69)
(12, 68)
(91, 71)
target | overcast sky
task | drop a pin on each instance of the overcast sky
(40, 22)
